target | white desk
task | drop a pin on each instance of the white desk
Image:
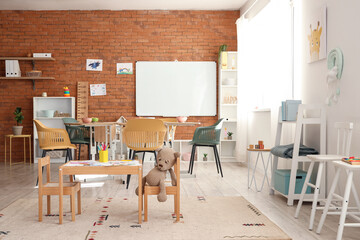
(259, 155)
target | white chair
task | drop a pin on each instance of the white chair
(343, 209)
(344, 133)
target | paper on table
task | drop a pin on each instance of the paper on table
(93, 163)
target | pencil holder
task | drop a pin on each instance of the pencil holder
(103, 156)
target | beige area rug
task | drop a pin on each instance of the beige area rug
(116, 218)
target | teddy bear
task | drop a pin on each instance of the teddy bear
(166, 158)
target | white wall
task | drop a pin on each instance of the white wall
(343, 32)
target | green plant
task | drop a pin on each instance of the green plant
(205, 155)
(18, 116)
(222, 48)
(230, 134)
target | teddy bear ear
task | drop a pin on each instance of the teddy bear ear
(177, 154)
(158, 149)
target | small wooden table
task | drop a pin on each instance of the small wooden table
(117, 167)
(260, 154)
(11, 136)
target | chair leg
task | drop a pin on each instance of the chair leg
(305, 186)
(72, 198)
(48, 198)
(316, 194)
(79, 152)
(67, 155)
(192, 157)
(177, 197)
(143, 157)
(129, 175)
(40, 207)
(79, 200)
(145, 206)
(155, 158)
(217, 154)
(216, 159)
(89, 151)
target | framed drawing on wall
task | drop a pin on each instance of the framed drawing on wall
(316, 35)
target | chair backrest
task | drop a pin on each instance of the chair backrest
(69, 120)
(43, 162)
(144, 134)
(208, 135)
(51, 137)
(344, 134)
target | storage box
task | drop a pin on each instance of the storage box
(289, 110)
(282, 179)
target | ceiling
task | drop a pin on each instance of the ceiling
(121, 4)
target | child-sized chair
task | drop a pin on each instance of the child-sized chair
(52, 188)
(170, 190)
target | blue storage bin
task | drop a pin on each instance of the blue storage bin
(282, 179)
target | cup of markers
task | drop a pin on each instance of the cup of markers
(103, 153)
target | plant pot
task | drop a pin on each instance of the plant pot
(204, 159)
(17, 130)
(229, 137)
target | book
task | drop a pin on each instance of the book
(292, 109)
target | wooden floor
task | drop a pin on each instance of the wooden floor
(19, 182)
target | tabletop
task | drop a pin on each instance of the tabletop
(181, 123)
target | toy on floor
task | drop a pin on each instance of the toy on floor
(166, 158)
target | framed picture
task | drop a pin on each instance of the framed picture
(124, 68)
(316, 35)
(97, 89)
(94, 64)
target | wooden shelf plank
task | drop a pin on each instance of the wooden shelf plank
(29, 78)
(29, 58)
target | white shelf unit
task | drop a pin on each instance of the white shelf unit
(60, 104)
(183, 147)
(297, 161)
(228, 89)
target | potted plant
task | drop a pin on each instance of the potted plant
(205, 157)
(230, 135)
(17, 130)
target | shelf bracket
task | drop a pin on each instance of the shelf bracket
(33, 80)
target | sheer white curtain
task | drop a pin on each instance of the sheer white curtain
(264, 63)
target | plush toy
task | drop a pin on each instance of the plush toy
(166, 158)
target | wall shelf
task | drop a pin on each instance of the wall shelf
(32, 59)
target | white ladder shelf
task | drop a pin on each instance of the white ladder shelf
(301, 121)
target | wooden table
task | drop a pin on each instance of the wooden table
(95, 167)
(176, 124)
(11, 136)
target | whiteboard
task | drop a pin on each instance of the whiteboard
(175, 89)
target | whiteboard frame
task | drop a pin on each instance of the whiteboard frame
(172, 88)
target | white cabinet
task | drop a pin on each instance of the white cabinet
(228, 100)
(65, 105)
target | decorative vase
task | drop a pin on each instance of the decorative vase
(204, 159)
(17, 130)
(229, 137)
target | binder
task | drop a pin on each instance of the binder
(17, 72)
(11, 68)
(7, 68)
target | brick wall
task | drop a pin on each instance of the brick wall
(114, 36)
